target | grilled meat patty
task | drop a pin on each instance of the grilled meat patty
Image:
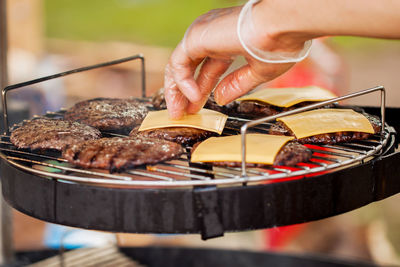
(109, 114)
(158, 99)
(158, 102)
(255, 109)
(279, 128)
(118, 154)
(44, 133)
(289, 155)
(181, 135)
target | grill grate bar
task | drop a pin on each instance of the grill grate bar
(370, 141)
(189, 175)
(322, 164)
(32, 154)
(252, 171)
(150, 175)
(303, 167)
(327, 159)
(358, 146)
(198, 169)
(114, 134)
(347, 149)
(282, 170)
(71, 169)
(333, 153)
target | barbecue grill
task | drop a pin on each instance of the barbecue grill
(178, 196)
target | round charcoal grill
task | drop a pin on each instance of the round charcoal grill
(178, 196)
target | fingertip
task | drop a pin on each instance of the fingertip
(219, 96)
(193, 108)
(175, 114)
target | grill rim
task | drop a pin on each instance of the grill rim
(205, 182)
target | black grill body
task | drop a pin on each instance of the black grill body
(208, 210)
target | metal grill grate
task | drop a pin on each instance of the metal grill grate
(181, 172)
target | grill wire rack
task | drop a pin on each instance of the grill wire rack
(181, 172)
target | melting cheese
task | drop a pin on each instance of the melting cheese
(260, 148)
(321, 121)
(286, 97)
(205, 119)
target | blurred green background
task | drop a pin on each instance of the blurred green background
(151, 22)
(155, 22)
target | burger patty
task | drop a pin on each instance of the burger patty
(44, 133)
(158, 99)
(109, 114)
(118, 154)
(181, 135)
(279, 128)
(289, 155)
(255, 109)
(158, 102)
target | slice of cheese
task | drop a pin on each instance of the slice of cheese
(321, 121)
(205, 119)
(286, 97)
(260, 148)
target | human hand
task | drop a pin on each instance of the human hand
(212, 40)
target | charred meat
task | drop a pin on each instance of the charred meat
(256, 109)
(279, 128)
(44, 133)
(158, 100)
(118, 154)
(109, 114)
(181, 135)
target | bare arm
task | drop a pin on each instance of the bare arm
(306, 19)
(280, 26)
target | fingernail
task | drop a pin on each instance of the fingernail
(219, 99)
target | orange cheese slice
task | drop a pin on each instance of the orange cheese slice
(286, 97)
(205, 119)
(321, 121)
(260, 148)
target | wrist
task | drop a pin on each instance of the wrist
(278, 27)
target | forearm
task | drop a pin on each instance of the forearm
(307, 19)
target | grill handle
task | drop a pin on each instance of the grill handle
(243, 129)
(62, 74)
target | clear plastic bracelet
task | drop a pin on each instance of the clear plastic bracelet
(246, 28)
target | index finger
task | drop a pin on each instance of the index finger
(175, 100)
(182, 69)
